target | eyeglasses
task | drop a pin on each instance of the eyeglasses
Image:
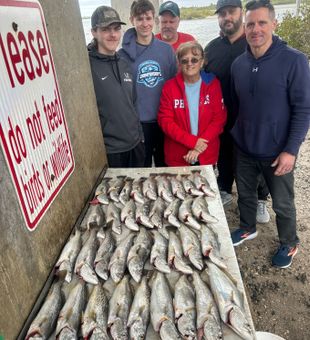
(192, 61)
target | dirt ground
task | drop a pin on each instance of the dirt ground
(279, 298)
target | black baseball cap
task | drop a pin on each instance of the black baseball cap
(104, 16)
(225, 3)
(169, 6)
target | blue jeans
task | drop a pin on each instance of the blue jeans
(281, 189)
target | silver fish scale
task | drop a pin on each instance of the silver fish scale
(68, 256)
(70, 314)
(229, 301)
(117, 265)
(149, 188)
(139, 315)
(119, 308)
(191, 246)
(124, 195)
(175, 255)
(103, 256)
(164, 188)
(159, 252)
(138, 254)
(96, 313)
(161, 301)
(45, 321)
(185, 308)
(208, 317)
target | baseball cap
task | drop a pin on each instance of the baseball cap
(169, 6)
(104, 16)
(224, 3)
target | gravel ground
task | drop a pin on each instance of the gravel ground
(279, 298)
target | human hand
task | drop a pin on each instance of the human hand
(201, 145)
(191, 156)
(284, 163)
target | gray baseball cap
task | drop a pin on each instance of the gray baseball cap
(225, 3)
(104, 16)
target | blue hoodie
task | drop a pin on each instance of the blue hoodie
(272, 95)
(151, 66)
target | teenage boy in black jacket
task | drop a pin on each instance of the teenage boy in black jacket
(114, 90)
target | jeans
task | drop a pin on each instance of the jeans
(225, 166)
(281, 189)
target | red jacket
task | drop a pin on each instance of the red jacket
(174, 119)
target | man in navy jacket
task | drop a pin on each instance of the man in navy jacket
(271, 84)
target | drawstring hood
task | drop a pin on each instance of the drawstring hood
(113, 60)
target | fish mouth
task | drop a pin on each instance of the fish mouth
(94, 201)
(34, 333)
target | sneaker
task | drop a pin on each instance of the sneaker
(226, 197)
(240, 235)
(262, 214)
(284, 256)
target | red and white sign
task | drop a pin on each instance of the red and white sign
(33, 130)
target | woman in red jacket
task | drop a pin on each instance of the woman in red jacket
(191, 113)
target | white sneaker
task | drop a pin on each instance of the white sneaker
(262, 214)
(226, 197)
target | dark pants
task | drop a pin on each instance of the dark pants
(133, 158)
(226, 168)
(281, 190)
(154, 144)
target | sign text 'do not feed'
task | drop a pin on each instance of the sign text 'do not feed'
(33, 130)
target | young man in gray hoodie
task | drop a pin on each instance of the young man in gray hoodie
(152, 62)
(115, 93)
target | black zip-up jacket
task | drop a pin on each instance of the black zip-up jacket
(220, 54)
(115, 96)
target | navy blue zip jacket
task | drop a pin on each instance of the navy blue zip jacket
(272, 95)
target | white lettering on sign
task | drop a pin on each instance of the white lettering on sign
(33, 130)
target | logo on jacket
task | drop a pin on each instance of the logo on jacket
(207, 100)
(255, 69)
(127, 77)
(149, 73)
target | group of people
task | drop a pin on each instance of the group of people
(242, 103)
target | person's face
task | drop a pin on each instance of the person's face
(143, 24)
(108, 38)
(259, 26)
(168, 26)
(230, 19)
(190, 64)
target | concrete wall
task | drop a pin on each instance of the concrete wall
(123, 8)
(27, 258)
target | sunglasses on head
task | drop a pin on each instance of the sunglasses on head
(192, 61)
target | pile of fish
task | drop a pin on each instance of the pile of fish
(145, 263)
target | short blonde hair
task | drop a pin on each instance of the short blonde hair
(190, 46)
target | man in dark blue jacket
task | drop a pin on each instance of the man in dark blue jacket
(271, 82)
